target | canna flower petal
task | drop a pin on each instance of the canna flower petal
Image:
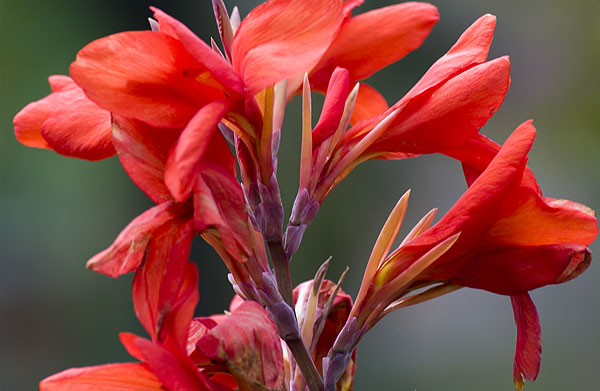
(471, 48)
(175, 372)
(219, 202)
(369, 42)
(67, 122)
(528, 350)
(280, 39)
(109, 377)
(248, 342)
(513, 270)
(222, 73)
(143, 152)
(333, 107)
(184, 160)
(369, 103)
(146, 75)
(451, 115)
(527, 218)
(159, 286)
(127, 251)
(476, 210)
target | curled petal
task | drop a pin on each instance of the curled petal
(127, 251)
(109, 377)
(67, 122)
(528, 350)
(184, 160)
(280, 39)
(370, 41)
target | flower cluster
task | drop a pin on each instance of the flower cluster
(197, 128)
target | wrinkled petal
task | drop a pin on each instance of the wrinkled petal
(512, 270)
(67, 122)
(333, 107)
(109, 377)
(249, 344)
(143, 152)
(280, 39)
(128, 249)
(451, 115)
(184, 160)
(145, 75)
(528, 350)
(368, 42)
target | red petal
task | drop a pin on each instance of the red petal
(476, 210)
(349, 5)
(184, 160)
(143, 151)
(452, 114)
(470, 49)
(477, 153)
(219, 69)
(175, 372)
(511, 270)
(127, 251)
(145, 75)
(281, 38)
(333, 107)
(369, 103)
(528, 350)
(110, 377)
(528, 219)
(370, 41)
(219, 202)
(250, 345)
(67, 122)
(158, 281)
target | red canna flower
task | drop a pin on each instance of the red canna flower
(447, 107)
(501, 236)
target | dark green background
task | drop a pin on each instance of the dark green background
(57, 212)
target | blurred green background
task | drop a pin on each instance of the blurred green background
(57, 212)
